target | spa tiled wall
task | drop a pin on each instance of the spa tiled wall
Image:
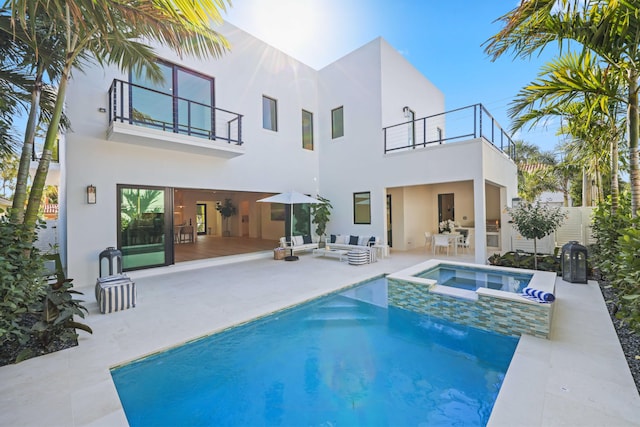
(488, 313)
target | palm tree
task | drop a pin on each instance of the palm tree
(610, 29)
(589, 100)
(27, 67)
(535, 170)
(109, 32)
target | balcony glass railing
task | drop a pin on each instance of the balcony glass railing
(141, 106)
(473, 121)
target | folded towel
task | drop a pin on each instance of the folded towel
(538, 295)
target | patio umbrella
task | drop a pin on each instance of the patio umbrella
(288, 199)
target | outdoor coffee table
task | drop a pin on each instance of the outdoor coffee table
(335, 253)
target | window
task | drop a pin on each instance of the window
(269, 113)
(307, 130)
(181, 103)
(337, 122)
(362, 208)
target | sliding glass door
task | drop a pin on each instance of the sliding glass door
(144, 223)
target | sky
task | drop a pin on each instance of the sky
(442, 39)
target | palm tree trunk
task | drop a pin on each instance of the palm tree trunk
(37, 189)
(599, 192)
(20, 194)
(634, 174)
(615, 185)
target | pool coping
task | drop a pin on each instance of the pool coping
(541, 280)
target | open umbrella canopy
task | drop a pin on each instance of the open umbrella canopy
(290, 198)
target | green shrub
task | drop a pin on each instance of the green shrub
(626, 276)
(520, 259)
(617, 255)
(607, 230)
(21, 279)
(57, 310)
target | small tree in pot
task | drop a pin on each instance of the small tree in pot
(321, 213)
(227, 210)
(535, 221)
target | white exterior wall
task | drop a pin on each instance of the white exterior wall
(274, 161)
(373, 84)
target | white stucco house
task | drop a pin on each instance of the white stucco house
(369, 132)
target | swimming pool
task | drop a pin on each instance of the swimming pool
(473, 278)
(345, 359)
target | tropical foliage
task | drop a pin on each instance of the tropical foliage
(616, 254)
(42, 42)
(593, 88)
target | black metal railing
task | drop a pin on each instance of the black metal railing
(473, 121)
(142, 106)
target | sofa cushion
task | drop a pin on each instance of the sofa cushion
(306, 239)
(297, 240)
(362, 240)
(332, 238)
(353, 240)
(342, 240)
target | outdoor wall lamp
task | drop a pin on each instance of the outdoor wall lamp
(515, 202)
(91, 194)
(407, 112)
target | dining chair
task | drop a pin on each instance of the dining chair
(428, 237)
(186, 234)
(440, 241)
(465, 242)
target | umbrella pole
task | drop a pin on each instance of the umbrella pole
(288, 222)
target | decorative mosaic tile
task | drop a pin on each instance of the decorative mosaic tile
(488, 313)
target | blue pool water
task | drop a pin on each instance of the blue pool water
(342, 360)
(472, 278)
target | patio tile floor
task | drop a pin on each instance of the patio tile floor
(577, 377)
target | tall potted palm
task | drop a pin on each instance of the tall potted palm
(227, 210)
(321, 213)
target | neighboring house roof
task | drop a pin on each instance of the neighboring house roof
(532, 167)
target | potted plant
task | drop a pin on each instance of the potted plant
(321, 213)
(227, 210)
(446, 226)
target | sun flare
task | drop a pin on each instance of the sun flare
(287, 25)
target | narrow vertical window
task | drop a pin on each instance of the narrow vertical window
(337, 122)
(362, 208)
(307, 130)
(269, 113)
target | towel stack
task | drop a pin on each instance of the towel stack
(537, 295)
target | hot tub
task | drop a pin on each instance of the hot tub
(497, 307)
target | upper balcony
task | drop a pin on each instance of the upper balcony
(473, 121)
(144, 116)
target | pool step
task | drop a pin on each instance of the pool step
(345, 310)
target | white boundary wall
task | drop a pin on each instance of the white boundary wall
(577, 226)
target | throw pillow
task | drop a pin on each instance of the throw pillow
(353, 240)
(297, 240)
(306, 239)
(333, 238)
(372, 241)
